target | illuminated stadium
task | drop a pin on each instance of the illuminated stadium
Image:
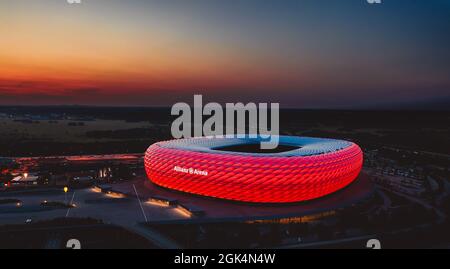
(300, 169)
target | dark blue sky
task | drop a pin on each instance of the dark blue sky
(302, 53)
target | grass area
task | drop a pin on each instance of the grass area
(61, 131)
(92, 234)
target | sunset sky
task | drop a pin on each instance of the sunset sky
(306, 54)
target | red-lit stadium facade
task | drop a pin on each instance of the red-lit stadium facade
(318, 167)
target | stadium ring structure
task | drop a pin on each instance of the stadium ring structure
(310, 168)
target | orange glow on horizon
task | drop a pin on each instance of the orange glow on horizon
(156, 53)
(67, 55)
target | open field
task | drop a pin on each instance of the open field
(103, 130)
(61, 131)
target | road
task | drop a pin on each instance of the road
(126, 212)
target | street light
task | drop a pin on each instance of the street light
(66, 189)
